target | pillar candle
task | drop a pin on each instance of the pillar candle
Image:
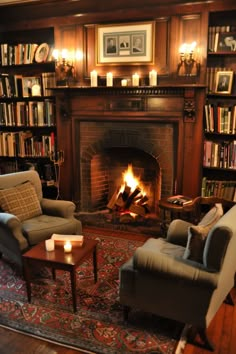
(153, 78)
(109, 79)
(49, 245)
(135, 80)
(124, 82)
(94, 78)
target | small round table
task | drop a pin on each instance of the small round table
(170, 211)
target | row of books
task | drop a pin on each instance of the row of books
(219, 154)
(18, 54)
(27, 86)
(217, 188)
(211, 73)
(220, 118)
(214, 36)
(31, 113)
(24, 144)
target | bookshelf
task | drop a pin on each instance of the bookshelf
(27, 107)
(219, 147)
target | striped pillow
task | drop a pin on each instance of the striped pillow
(21, 201)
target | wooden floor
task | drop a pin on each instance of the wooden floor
(222, 332)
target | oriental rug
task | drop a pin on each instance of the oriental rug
(98, 325)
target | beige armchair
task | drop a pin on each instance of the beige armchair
(186, 276)
(26, 218)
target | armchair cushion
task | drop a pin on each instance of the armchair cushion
(21, 201)
(197, 234)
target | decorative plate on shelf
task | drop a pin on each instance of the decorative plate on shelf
(41, 53)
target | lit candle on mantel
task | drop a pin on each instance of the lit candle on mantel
(109, 79)
(94, 78)
(135, 80)
(67, 247)
(153, 78)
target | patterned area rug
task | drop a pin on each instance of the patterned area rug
(98, 325)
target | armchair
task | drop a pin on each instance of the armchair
(170, 278)
(26, 218)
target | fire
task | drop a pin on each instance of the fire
(131, 181)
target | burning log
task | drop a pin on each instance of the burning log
(128, 200)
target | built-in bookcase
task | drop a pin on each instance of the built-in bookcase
(219, 150)
(27, 107)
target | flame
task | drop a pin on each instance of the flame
(131, 181)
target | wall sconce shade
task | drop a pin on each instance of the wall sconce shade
(188, 65)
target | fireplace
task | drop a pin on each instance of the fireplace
(106, 149)
(157, 130)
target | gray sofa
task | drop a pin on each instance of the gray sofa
(163, 279)
(26, 218)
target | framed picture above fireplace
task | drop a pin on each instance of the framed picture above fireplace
(129, 43)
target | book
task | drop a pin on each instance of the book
(73, 238)
(180, 200)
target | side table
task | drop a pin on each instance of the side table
(170, 211)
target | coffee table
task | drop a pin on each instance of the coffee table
(58, 259)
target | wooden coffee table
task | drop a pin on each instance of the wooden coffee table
(58, 259)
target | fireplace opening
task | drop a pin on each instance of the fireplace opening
(107, 148)
(107, 171)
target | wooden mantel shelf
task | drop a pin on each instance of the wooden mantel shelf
(173, 89)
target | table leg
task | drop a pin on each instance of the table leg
(95, 264)
(73, 288)
(26, 270)
(54, 273)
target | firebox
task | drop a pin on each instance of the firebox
(107, 148)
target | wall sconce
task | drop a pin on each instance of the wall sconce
(188, 65)
(64, 66)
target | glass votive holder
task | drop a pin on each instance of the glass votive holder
(67, 247)
(49, 245)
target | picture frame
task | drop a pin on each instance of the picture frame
(226, 42)
(224, 81)
(31, 86)
(126, 43)
(41, 53)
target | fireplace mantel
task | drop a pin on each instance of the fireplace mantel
(181, 105)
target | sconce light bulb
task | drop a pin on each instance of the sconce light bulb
(79, 55)
(55, 54)
(64, 53)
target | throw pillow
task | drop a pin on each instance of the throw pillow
(197, 234)
(21, 201)
(213, 215)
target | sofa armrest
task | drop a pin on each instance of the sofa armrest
(177, 269)
(11, 235)
(63, 208)
(177, 232)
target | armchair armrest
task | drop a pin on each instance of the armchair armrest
(11, 235)
(174, 268)
(63, 208)
(177, 232)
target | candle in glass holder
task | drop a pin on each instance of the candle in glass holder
(49, 245)
(67, 247)
(124, 82)
(94, 78)
(153, 78)
(109, 79)
(135, 79)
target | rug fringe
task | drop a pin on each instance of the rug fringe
(182, 341)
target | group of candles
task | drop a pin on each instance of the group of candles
(124, 82)
(50, 246)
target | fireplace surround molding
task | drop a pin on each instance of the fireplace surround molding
(83, 111)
